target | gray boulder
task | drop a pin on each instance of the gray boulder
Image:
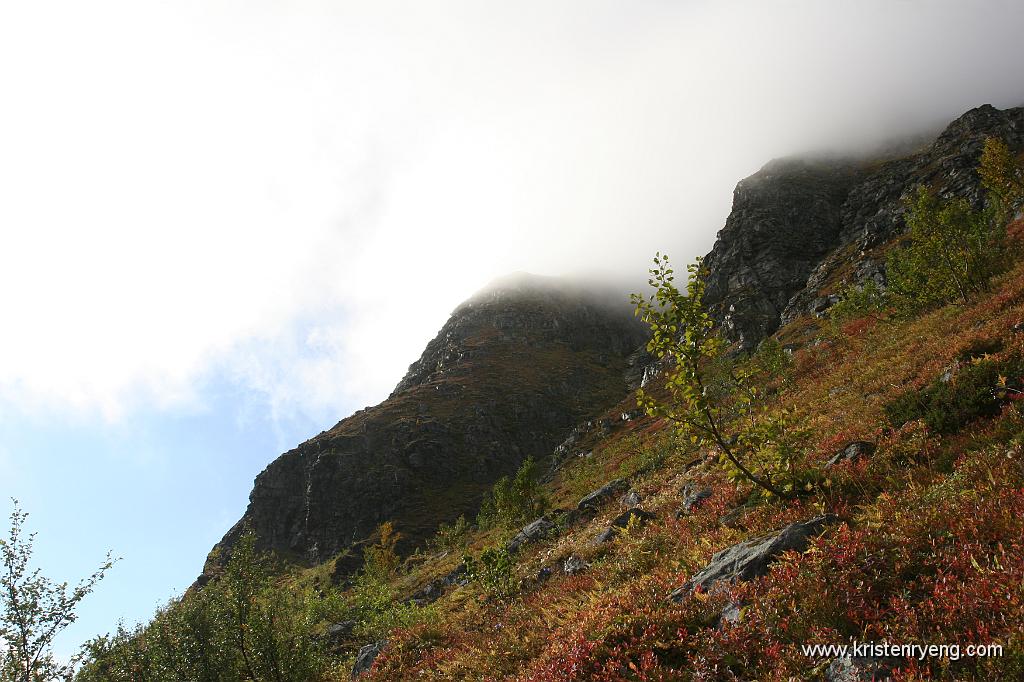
(366, 656)
(751, 558)
(606, 492)
(531, 532)
(692, 497)
(428, 594)
(574, 565)
(851, 453)
(457, 576)
(861, 669)
(731, 614)
(735, 517)
(631, 499)
(341, 631)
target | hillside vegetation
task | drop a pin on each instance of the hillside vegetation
(889, 430)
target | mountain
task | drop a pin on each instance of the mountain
(800, 226)
(898, 439)
(523, 361)
(514, 368)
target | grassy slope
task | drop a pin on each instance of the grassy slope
(930, 550)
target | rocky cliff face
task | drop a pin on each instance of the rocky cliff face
(521, 363)
(799, 225)
(512, 371)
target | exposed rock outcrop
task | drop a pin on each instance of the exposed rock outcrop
(861, 669)
(751, 558)
(799, 225)
(531, 532)
(785, 219)
(595, 499)
(366, 656)
(511, 372)
(852, 452)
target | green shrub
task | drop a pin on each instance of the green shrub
(712, 400)
(514, 500)
(494, 572)
(773, 362)
(856, 301)
(980, 389)
(952, 253)
(645, 456)
(34, 609)
(1003, 176)
(243, 625)
(450, 536)
(373, 602)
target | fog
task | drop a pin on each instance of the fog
(292, 196)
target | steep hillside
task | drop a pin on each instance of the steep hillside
(513, 369)
(639, 554)
(798, 226)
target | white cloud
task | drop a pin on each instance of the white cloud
(298, 193)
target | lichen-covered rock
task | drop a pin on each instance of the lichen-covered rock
(574, 565)
(339, 632)
(531, 532)
(595, 499)
(751, 558)
(631, 499)
(366, 656)
(731, 614)
(428, 594)
(693, 497)
(637, 516)
(861, 669)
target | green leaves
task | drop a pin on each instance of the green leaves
(1002, 175)
(34, 609)
(952, 253)
(712, 400)
(242, 625)
(514, 500)
(493, 571)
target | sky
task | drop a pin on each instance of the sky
(228, 225)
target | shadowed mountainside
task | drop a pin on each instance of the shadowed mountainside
(523, 361)
(800, 226)
(513, 369)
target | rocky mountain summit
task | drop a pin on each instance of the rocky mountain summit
(800, 226)
(510, 373)
(895, 440)
(522, 362)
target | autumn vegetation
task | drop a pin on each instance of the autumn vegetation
(929, 547)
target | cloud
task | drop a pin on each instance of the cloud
(295, 195)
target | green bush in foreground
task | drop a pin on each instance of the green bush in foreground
(243, 625)
(34, 610)
(715, 401)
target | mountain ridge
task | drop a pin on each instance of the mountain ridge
(505, 378)
(798, 226)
